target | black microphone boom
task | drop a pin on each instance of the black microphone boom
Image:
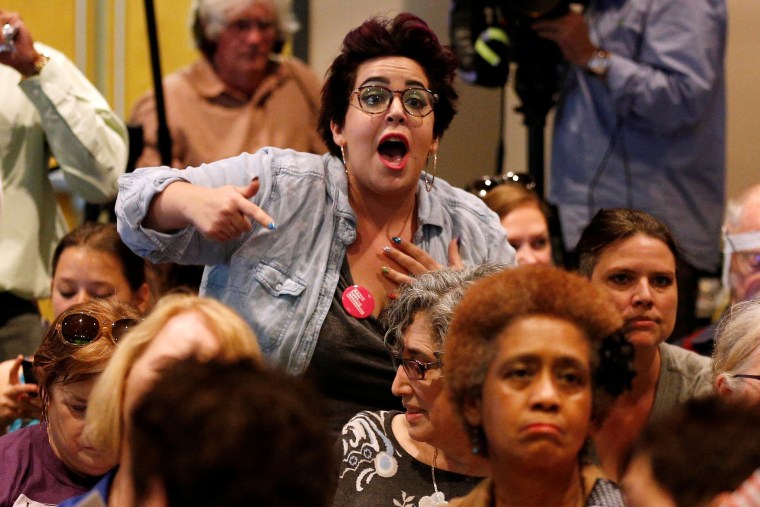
(163, 135)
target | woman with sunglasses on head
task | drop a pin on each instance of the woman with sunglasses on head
(49, 462)
(180, 326)
(90, 262)
(633, 257)
(422, 454)
(529, 377)
(310, 249)
(524, 216)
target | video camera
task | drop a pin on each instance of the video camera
(489, 34)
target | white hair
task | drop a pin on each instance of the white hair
(214, 15)
(735, 208)
(737, 341)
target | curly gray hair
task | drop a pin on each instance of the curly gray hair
(435, 294)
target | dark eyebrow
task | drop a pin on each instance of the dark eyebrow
(375, 79)
(383, 80)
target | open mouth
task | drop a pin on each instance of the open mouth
(393, 151)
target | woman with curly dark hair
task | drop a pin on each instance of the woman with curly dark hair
(533, 360)
(308, 249)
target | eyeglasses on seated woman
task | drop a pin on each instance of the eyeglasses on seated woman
(421, 455)
(533, 360)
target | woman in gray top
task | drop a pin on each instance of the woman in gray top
(634, 257)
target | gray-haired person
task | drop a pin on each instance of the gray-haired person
(241, 94)
(392, 457)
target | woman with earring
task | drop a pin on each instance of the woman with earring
(310, 249)
(421, 454)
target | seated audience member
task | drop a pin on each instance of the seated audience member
(736, 360)
(633, 257)
(241, 95)
(179, 326)
(48, 109)
(219, 433)
(533, 359)
(525, 217)
(741, 261)
(392, 457)
(90, 262)
(46, 463)
(696, 456)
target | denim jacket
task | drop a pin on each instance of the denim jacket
(282, 282)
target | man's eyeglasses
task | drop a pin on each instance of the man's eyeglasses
(246, 24)
(82, 328)
(414, 369)
(484, 184)
(745, 375)
(377, 99)
(748, 261)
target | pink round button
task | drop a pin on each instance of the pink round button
(358, 301)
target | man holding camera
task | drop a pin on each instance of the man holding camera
(48, 109)
(640, 121)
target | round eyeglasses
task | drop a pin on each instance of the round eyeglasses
(414, 369)
(83, 328)
(377, 99)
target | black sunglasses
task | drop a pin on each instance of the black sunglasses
(484, 184)
(745, 375)
(82, 328)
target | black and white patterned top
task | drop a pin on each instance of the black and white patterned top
(376, 471)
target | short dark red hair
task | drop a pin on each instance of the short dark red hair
(405, 35)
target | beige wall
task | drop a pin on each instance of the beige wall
(468, 148)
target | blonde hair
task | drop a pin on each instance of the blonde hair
(737, 341)
(104, 421)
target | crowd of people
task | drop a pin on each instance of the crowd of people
(366, 333)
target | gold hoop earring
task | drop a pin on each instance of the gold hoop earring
(343, 157)
(429, 184)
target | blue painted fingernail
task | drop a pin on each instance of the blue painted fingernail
(396, 240)
(387, 249)
(271, 226)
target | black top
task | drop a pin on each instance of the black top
(351, 366)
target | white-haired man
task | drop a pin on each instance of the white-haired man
(741, 259)
(241, 95)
